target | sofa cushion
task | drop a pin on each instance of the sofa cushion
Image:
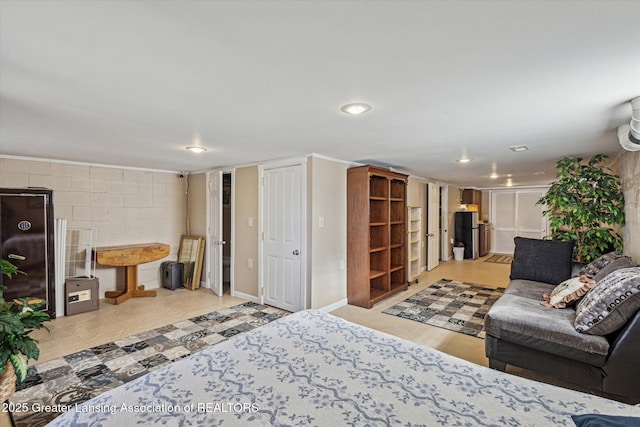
(528, 289)
(546, 261)
(610, 304)
(607, 263)
(568, 292)
(523, 321)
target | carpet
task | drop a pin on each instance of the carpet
(80, 376)
(500, 259)
(449, 304)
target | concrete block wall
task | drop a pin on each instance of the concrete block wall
(630, 176)
(123, 205)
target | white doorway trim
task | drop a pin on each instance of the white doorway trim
(296, 161)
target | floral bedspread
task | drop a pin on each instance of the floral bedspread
(311, 368)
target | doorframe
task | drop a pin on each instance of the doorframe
(304, 282)
(208, 208)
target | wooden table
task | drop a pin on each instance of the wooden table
(130, 256)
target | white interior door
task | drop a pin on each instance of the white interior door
(282, 207)
(214, 232)
(433, 226)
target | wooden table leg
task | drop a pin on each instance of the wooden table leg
(131, 287)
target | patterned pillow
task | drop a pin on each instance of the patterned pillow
(610, 304)
(607, 263)
(568, 292)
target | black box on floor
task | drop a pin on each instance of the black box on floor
(172, 274)
(81, 295)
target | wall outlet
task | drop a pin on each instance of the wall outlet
(250, 262)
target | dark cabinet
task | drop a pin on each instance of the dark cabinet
(26, 241)
(471, 197)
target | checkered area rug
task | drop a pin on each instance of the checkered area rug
(86, 374)
(449, 304)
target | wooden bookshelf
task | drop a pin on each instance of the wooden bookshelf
(376, 234)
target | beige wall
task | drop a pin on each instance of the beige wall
(197, 208)
(630, 175)
(123, 205)
(246, 240)
(328, 196)
(454, 203)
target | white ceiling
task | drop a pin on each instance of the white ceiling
(132, 83)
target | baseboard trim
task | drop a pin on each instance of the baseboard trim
(248, 297)
(334, 306)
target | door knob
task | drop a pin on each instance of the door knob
(18, 257)
(296, 252)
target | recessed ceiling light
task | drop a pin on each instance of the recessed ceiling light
(197, 149)
(519, 148)
(355, 108)
(509, 183)
(465, 160)
(493, 175)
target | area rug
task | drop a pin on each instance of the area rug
(500, 259)
(450, 304)
(53, 385)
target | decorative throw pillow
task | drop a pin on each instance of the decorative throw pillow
(610, 304)
(607, 263)
(616, 264)
(546, 261)
(568, 292)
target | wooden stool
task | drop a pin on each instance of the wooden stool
(130, 256)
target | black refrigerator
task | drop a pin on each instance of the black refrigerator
(467, 232)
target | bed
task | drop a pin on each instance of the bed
(312, 368)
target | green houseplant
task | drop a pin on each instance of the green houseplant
(586, 204)
(17, 320)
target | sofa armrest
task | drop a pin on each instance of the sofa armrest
(622, 368)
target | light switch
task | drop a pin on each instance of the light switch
(321, 222)
(250, 222)
(250, 262)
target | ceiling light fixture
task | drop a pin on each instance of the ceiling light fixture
(355, 108)
(465, 160)
(493, 175)
(519, 148)
(197, 149)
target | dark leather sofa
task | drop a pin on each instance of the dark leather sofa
(521, 332)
